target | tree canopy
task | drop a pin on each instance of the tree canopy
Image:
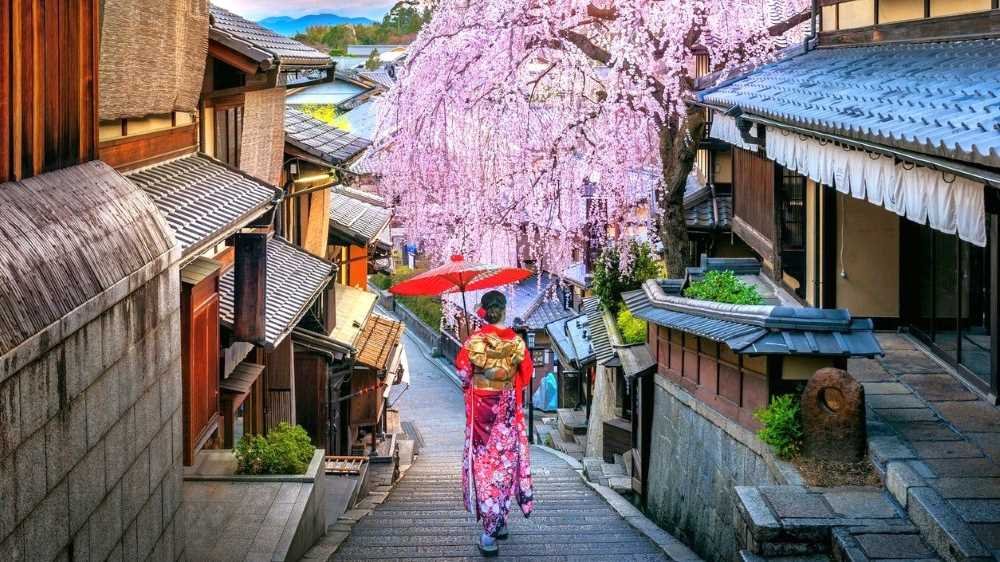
(399, 26)
(563, 116)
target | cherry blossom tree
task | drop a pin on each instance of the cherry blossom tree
(546, 116)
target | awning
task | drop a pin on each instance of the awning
(932, 100)
(947, 203)
(636, 360)
(353, 309)
(203, 200)
(240, 381)
(379, 343)
(294, 279)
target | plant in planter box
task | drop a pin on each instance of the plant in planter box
(287, 449)
(724, 287)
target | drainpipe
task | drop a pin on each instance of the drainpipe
(811, 39)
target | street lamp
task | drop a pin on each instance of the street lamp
(521, 328)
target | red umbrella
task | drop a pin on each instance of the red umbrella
(459, 275)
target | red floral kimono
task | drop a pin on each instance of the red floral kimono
(496, 467)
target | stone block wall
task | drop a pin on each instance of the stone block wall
(697, 459)
(90, 432)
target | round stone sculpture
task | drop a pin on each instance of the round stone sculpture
(833, 417)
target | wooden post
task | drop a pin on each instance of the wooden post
(330, 320)
(250, 284)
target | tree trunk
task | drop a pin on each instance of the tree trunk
(678, 148)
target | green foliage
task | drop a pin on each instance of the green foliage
(373, 60)
(633, 330)
(287, 449)
(725, 287)
(327, 114)
(610, 282)
(782, 422)
(399, 26)
(428, 309)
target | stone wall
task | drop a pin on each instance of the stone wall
(90, 431)
(697, 457)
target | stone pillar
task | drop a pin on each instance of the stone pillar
(833, 417)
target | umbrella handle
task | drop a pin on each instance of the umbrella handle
(465, 312)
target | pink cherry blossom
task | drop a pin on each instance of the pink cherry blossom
(513, 114)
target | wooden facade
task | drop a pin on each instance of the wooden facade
(753, 202)
(48, 85)
(200, 354)
(735, 385)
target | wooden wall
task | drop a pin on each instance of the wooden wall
(48, 85)
(753, 191)
(733, 385)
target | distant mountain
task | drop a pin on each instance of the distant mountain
(290, 26)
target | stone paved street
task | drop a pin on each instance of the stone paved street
(928, 429)
(423, 517)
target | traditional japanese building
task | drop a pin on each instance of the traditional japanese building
(863, 186)
(90, 374)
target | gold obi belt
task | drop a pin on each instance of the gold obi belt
(482, 383)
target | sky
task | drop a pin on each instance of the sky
(257, 9)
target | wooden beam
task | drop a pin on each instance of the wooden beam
(136, 151)
(6, 49)
(250, 284)
(962, 26)
(236, 60)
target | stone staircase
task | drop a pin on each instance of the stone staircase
(794, 523)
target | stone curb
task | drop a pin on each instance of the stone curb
(666, 542)
(337, 533)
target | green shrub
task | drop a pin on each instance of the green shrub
(725, 287)
(610, 282)
(287, 449)
(782, 422)
(633, 330)
(427, 309)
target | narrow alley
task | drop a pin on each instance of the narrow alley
(425, 516)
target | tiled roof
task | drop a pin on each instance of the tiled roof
(379, 341)
(294, 280)
(758, 329)
(703, 210)
(67, 236)
(362, 121)
(935, 98)
(325, 142)
(380, 76)
(599, 338)
(576, 274)
(636, 359)
(202, 199)
(327, 93)
(571, 337)
(534, 300)
(260, 44)
(358, 219)
(363, 165)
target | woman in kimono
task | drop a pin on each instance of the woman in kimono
(496, 468)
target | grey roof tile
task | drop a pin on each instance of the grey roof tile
(294, 280)
(201, 198)
(262, 44)
(599, 338)
(326, 142)
(358, 217)
(571, 337)
(934, 98)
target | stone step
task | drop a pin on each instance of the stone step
(747, 556)
(572, 422)
(859, 546)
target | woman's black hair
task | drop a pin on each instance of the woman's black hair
(495, 305)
